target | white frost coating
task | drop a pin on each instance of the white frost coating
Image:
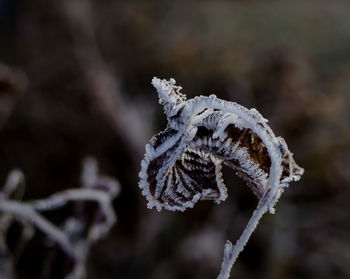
(169, 94)
(183, 163)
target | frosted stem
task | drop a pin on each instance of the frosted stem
(60, 199)
(231, 252)
(27, 211)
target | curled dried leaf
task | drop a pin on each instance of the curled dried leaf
(182, 164)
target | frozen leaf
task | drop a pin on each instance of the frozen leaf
(182, 164)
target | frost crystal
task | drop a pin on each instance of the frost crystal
(183, 163)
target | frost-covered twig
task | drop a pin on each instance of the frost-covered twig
(183, 163)
(23, 210)
(60, 199)
(13, 189)
(71, 236)
(231, 252)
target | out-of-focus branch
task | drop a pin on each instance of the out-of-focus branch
(77, 234)
(23, 210)
(104, 83)
(60, 199)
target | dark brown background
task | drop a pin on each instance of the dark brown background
(89, 93)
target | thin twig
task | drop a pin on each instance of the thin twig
(27, 211)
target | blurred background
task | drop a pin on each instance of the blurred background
(75, 81)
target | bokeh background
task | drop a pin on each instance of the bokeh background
(75, 81)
